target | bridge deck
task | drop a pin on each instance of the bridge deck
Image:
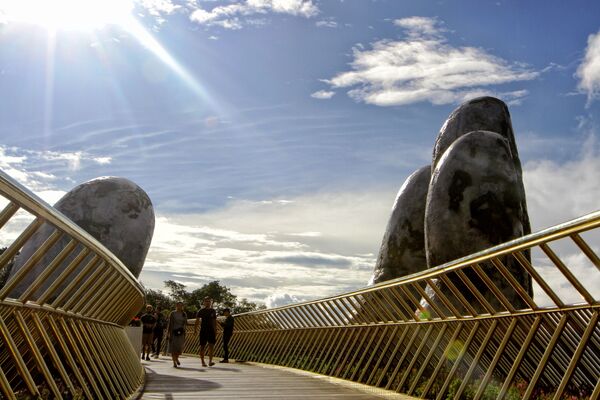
(246, 381)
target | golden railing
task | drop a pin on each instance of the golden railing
(464, 342)
(449, 332)
(63, 336)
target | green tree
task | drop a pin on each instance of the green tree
(177, 291)
(158, 298)
(220, 294)
(244, 305)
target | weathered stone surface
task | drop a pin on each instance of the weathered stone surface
(475, 201)
(479, 114)
(485, 114)
(402, 250)
(115, 211)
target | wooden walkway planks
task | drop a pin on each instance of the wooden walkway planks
(245, 381)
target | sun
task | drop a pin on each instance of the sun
(81, 15)
(90, 16)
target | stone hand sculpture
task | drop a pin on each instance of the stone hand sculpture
(115, 211)
(473, 199)
(475, 202)
(402, 250)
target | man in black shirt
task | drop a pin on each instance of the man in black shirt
(159, 328)
(148, 322)
(208, 336)
(227, 333)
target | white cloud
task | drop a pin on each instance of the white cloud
(418, 27)
(102, 160)
(589, 70)
(309, 246)
(17, 163)
(15, 226)
(304, 8)
(323, 244)
(13, 163)
(319, 245)
(323, 94)
(326, 23)
(558, 192)
(579, 265)
(315, 246)
(306, 234)
(73, 159)
(158, 8)
(236, 15)
(280, 299)
(24, 165)
(424, 67)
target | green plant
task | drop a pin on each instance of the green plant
(490, 392)
(453, 388)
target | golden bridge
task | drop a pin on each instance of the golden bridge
(64, 337)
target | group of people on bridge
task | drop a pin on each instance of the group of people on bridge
(154, 324)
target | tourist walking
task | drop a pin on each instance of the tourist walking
(148, 322)
(208, 330)
(176, 332)
(227, 333)
(159, 329)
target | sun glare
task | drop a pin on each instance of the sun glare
(89, 16)
(84, 15)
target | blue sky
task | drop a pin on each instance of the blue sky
(273, 135)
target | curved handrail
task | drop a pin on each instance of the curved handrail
(575, 226)
(63, 311)
(18, 193)
(103, 264)
(470, 325)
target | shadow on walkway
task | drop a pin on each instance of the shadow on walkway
(240, 381)
(157, 382)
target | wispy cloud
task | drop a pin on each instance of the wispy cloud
(30, 168)
(322, 244)
(262, 249)
(557, 192)
(258, 154)
(240, 13)
(323, 94)
(326, 23)
(420, 27)
(588, 72)
(305, 247)
(424, 67)
(73, 159)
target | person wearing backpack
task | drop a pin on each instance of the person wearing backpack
(148, 322)
(227, 333)
(159, 329)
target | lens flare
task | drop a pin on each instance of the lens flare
(454, 350)
(86, 15)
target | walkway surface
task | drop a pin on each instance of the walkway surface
(246, 381)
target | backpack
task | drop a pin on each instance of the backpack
(161, 322)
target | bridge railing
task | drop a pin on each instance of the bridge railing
(468, 329)
(61, 329)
